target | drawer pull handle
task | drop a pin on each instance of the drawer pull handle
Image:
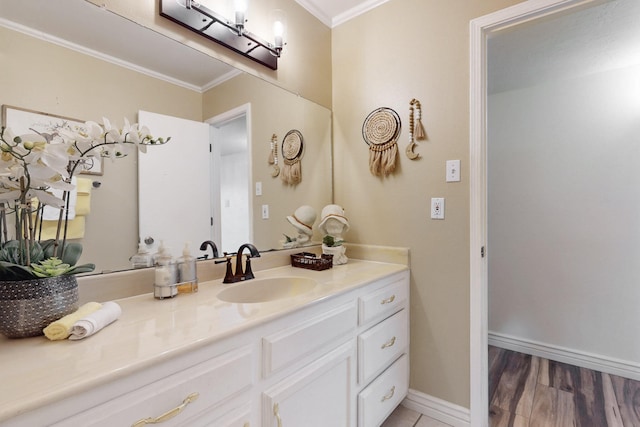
(388, 300)
(389, 395)
(276, 412)
(169, 414)
(389, 343)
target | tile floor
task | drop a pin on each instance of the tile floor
(404, 417)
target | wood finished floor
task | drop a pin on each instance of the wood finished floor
(529, 391)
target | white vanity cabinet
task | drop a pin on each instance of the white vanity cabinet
(339, 361)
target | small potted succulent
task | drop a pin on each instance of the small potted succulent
(37, 276)
(333, 246)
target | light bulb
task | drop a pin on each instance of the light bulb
(279, 28)
(240, 7)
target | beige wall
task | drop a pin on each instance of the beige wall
(44, 77)
(304, 68)
(401, 50)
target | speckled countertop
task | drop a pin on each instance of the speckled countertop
(36, 372)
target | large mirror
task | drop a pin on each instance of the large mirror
(75, 59)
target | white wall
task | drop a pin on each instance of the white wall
(564, 214)
(234, 200)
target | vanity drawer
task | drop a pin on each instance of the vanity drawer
(315, 336)
(381, 345)
(381, 397)
(215, 381)
(383, 301)
(240, 416)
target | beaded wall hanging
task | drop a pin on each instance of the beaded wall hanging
(273, 156)
(416, 130)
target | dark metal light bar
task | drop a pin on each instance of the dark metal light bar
(213, 26)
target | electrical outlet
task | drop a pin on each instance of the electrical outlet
(265, 211)
(437, 208)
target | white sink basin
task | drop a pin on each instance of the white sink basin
(267, 289)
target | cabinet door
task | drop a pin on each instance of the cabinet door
(318, 395)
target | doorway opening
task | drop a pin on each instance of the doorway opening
(231, 177)
(508, 22)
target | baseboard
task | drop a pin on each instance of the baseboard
(438, 409)
(582, 359)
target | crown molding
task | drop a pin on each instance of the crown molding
(356, 11)
(333, 21)
(315, 11)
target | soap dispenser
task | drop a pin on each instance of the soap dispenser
(188, 280)
(143, 258)
(166, 275)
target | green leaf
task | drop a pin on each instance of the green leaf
(330, 241)
(72, 252)
(10, 271)
(84, 268)
(69, 252)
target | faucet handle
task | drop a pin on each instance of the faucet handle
(229, 277)
(248, 274)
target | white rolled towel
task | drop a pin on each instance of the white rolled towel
(89, 325)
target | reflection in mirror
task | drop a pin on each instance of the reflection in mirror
(88, 86)
(231, 179)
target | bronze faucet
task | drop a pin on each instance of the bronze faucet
(214, 248)
(240, 275)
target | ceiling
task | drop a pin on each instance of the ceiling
(565, 45)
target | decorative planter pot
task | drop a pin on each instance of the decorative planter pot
(28, 306)
(338, 253)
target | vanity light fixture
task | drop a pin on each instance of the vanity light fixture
(230, 33)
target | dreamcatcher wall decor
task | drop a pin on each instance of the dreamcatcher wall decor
(380, 131)
(416, 130)
(273, 156)
(292, 149)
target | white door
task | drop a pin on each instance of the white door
(174, 184)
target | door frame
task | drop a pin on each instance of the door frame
(218, 120)
(480, 29)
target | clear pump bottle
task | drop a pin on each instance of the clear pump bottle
(143, 258)
(188, 279)
(166, 274)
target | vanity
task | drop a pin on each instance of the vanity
(334, 354)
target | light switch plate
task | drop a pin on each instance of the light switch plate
(265, 211)
(258, 188)
(453, 170)
(437, 208)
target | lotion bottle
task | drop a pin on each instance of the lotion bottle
(188, 279)
(143, 258)
(165, 284)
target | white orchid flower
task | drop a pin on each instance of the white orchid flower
(9, 196)
(46, 198)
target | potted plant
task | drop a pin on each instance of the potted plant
(333, 246)
(37, 276)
